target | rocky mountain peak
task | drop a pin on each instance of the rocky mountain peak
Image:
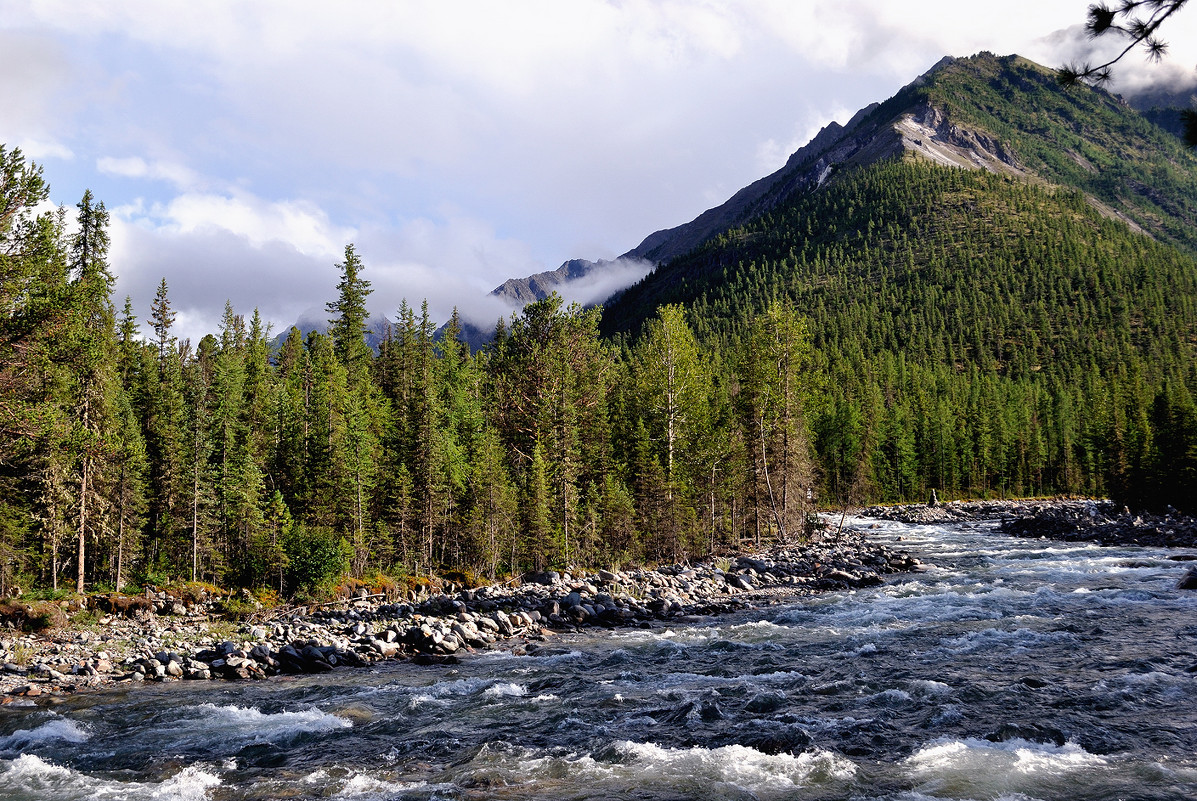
(1001, 114)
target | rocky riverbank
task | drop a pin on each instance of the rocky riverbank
(1100, 521)
(166, 639)
(964, 511)
(1106, 523)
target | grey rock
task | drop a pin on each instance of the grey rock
(1188, 581)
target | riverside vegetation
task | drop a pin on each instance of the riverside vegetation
(902, 327)
(165, 637)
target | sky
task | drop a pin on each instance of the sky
(240, 146)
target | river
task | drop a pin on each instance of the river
(1009, 669)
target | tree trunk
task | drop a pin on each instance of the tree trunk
(120, 551)
(82, 524)
(195, 522)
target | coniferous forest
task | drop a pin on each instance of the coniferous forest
(909, 328)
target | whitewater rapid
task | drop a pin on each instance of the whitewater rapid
(1009, 669)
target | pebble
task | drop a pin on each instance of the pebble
(435, 629)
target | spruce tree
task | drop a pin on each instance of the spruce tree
(92, 360)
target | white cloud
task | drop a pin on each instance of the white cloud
(41, 150)
(298, 224)
(600, 284)
(33, 79)
(137, 167)
(458, 143)
(281, 256)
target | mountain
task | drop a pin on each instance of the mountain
(522, 291)
(1004, 117)
(1166, 106)
(580, 280)
(999, 280)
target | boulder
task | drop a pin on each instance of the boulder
(1188, 581)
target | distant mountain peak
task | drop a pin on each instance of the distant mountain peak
(541, 285)
(581, 280)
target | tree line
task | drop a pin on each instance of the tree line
(129, 455)
(976, 334)
(870, 342)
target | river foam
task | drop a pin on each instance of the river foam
(973, 768)
(30, 777)
(248, 724)
(60, 729)
(732, 771)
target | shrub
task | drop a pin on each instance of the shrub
(126, 605)
(35, 616)
(235, 608)
(193, 592)
(315, 555)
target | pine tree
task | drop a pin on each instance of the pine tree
(129, 493)
(772, 367)
(347, 326)
(162, 318)
(494, 518)
(202, 519)
(34, 494)
(363, 409)
(291, 425)
(673, 387)
(92, 363)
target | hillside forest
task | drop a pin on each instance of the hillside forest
(888, 352)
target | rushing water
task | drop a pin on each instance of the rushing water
(1011, 669)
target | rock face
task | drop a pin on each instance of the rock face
(437, 629)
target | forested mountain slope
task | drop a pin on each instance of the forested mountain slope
(943, 265)
(1002, 114)
(961, 318)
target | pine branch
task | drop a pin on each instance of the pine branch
(1123, 21)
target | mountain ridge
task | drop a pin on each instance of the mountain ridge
(1003, 116)
(933, 118)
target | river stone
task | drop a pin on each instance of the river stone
(739, 581)
(1188, 581)
(1032, 732)
(435, 659)
(765, 702)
